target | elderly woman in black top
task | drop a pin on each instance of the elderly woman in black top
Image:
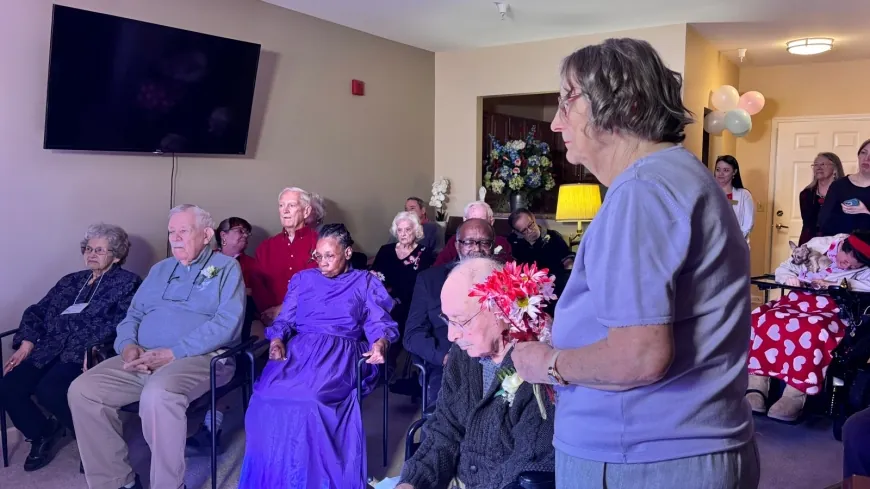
(476, 438)
(827, 167)
(81, 310)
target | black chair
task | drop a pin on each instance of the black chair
(526, 480)
(3, 441)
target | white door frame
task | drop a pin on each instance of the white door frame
(771, 171)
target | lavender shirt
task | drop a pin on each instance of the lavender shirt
(665, 248)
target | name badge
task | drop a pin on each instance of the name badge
(75, 308)
(734, 202)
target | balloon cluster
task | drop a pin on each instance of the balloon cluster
(733, 111)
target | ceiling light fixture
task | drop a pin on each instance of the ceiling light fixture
(809, 45)
(502, 8)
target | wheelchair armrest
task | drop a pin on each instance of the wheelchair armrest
(537, 480)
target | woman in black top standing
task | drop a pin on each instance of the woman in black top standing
(827, 167)
(846, 204)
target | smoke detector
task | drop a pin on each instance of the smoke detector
(502, 8)
(741, 53)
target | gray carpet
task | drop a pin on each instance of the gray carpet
(792, 457)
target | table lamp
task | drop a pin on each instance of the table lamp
(578, 202)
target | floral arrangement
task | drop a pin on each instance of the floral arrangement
(209, 272)
(517, 295)
(520, 165)
(439, 195)
(510, 384)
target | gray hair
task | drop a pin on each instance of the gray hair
(203, 218)
(119, 242)
(318, 212)
(304, 196)
(338, 232)
(477, 203)
(410, 217)
(838, 168)
(629, 89)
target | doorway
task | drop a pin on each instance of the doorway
(796, 144)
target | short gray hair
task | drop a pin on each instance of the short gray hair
(477, 203)
(203, 218)
(119, 242)
(629, 89)
(338, 232)
(410, 217)
(304, 196)
(318, 212)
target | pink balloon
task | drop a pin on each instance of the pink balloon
(751, 102)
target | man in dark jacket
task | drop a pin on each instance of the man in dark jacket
(486, 431)
(425, 330)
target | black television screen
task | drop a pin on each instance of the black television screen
(117, 84)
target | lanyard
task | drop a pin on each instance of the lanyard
(86, 284)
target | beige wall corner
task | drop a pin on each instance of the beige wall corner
(812, 89)
(706, 70)
(462, 77)
(365, 155)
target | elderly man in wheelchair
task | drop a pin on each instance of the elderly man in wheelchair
(794, 338)
(479, 436)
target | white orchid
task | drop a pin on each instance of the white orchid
(439, 196)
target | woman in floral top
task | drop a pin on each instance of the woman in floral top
(397, 265)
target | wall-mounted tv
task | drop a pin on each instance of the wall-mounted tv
(122, 85)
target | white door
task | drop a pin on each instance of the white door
(797, 144)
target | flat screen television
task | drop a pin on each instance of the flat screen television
(122, 85)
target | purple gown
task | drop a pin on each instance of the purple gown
(304, 426)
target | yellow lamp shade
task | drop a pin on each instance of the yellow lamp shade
(578, 202)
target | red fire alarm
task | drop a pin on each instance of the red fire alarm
(357, 87)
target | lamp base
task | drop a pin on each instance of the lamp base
(574, 240)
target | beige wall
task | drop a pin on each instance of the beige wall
(462, 77)
(706, 70)
(792, 91)
(308, 131)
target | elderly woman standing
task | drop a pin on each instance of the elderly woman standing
(304, 426)
(827, 167)
(81, 310)
(650, 336)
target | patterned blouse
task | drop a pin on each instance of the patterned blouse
(69, 335)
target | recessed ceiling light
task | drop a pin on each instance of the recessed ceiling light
(810, 45)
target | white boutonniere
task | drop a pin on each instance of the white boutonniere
(497, 250)
(510, 384)
(546, 238)
(210, 271)
(379, 275)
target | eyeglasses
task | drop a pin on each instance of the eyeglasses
(483, 244)
(565, 101)
(87, 250)
(328, 258)
(529, 229)
(822, 165)
(459, 325)
(241, 231)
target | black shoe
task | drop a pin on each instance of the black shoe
(41, 450)
(137, 484)
(199, 444)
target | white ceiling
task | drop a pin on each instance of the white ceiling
(761, 26)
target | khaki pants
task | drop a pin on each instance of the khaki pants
(164, 395)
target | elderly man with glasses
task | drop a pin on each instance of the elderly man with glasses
(190, 306)
(476, 210)
(425, 329)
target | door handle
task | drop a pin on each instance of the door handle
(781, 226)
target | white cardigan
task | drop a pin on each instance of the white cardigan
(744, 209)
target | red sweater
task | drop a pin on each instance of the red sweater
(279, 259)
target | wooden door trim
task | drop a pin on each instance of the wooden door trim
(771, 170)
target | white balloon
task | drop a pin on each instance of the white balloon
(725, 98)
(714, 122)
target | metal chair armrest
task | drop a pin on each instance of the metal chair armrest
(537, 480)
(8, 333)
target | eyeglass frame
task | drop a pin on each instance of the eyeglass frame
(459, 325)
(476, 242)
(94, 251)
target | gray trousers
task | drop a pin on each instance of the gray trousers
(96, 396)
(736, 469)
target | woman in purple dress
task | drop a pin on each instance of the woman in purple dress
(304, 425)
